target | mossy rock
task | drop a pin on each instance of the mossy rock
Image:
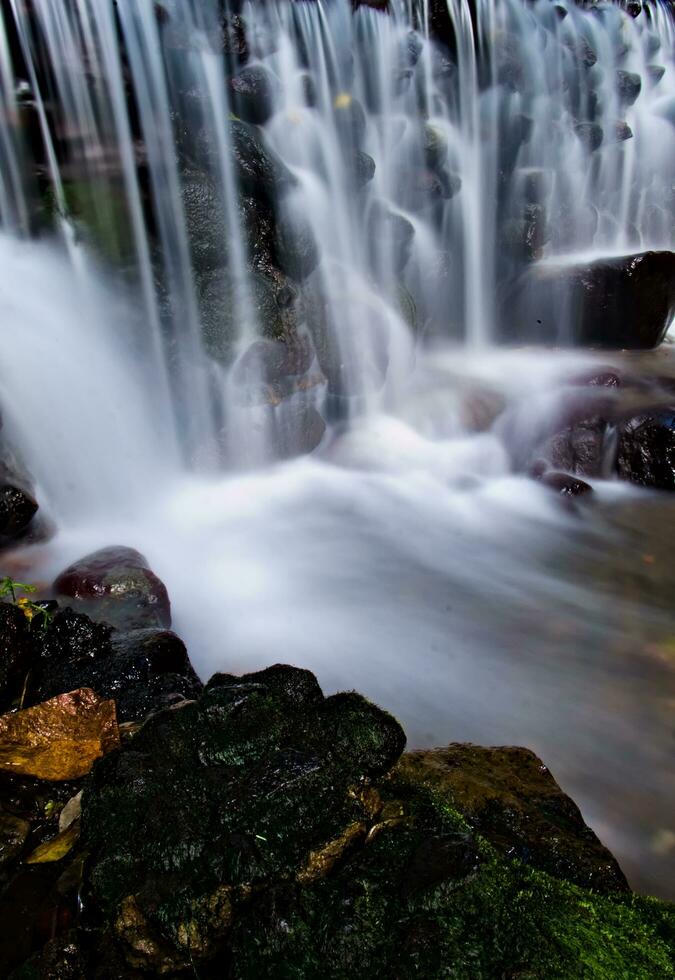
(263, 772)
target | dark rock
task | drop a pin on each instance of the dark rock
(509, 796)
(424, 188)
(17, 509)
(261, 770)
(565, 485)
(655, 73)
(298, 429)
(17, 652)
(646, 450)
(363, 169)
(590, 134)
(581, 50)
(14, 833)
(255, 94)
(296, 249)
(350, 121)
(525, 237)
(233, 39)
(628, 86)
(621, 131)
(269, 361)
(143, 670)
(579, 448)
(117, 586)
(606, 378)
(269, 295)
(390, 234)
(435, 146)
(260, 170)
(625, 302)
(205, 222)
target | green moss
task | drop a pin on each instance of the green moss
(379, 917)
(99, 207)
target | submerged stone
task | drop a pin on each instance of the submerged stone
(117, 586)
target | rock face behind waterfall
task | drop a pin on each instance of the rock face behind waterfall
(625, 302)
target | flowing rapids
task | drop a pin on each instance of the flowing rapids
(407, 557)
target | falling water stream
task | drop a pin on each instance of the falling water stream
(407, 556)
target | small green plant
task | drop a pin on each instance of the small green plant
(33, 611)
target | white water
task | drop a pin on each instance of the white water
(404, 558)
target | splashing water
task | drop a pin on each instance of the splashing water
(398, 169)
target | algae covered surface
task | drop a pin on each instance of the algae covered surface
(265, 830)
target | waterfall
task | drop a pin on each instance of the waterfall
(371, 179)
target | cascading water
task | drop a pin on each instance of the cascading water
(234, 236)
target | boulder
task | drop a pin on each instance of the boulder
(646, 450)
(363, 169)
(390, 234)
(628, 86)
(265, 772)
(270, 361)
(116, 585)
(623, 302)
(260, 171)
(509, 796)
(205, 222)
(17, 509)
(255, 94)
(143, 670)
(296, 250)
(590, 134)
(297, 430)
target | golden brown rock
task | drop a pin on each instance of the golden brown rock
(57, 848)
(322, 861)
(60, 738)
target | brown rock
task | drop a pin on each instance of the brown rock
(58, 739)
(509, 796)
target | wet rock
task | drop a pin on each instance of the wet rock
(579, 448)
(581, 50)
(424, 188)
(509, 796)
(59, 739)
(621, 132)
(116, 585)
(565, 485)
(350, 120)
(524, 238)
(260, 171)
(628, 86)
(363, 169)
(234, 44)
(389, 234)
(143, 670)
(255, 94)
(655, 73)
(272, 297)
(205, 221)
(646, 450)
(590, 134)
(297, 252)
(17, 652)
(435, 146)
(271, 361)
(261, 769)
(298, 429)
(17, 509)
(625, 302)
(61, 959)
(13, 835)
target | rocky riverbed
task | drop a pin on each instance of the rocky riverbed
(154, 826)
